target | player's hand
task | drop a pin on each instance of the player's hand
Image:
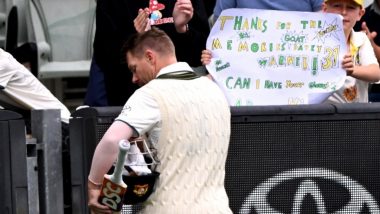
(93, 204)
(141, 22)
(206, 57)
(348, 64)
(182, 14)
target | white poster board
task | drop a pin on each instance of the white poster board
(266, 57)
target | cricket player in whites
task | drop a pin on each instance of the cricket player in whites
(187, 121)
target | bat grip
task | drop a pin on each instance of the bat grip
(124, 146)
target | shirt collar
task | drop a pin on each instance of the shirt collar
(356, 38)
(179, 66)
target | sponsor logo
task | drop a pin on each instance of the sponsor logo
(140, 190)
(111, 194)
(308, 186)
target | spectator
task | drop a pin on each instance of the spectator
(360, 63)
(187, 119)
(114, 24)
(287, 5)
(369, 23)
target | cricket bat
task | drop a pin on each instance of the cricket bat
(113, 186)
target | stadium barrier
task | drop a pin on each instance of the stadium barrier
(13, 178)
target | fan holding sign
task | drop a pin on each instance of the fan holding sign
(262, 60)
(360, 62)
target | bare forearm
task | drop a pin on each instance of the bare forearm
(369, 73)
(104, 156)
(107, 150)
(376, 48)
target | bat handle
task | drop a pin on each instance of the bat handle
(124, 146)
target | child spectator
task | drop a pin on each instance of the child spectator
(360, 62)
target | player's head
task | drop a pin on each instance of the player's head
(147, 53)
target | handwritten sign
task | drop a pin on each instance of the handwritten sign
(265, 57)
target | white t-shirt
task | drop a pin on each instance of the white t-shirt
(24, 88)
(355, 90)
